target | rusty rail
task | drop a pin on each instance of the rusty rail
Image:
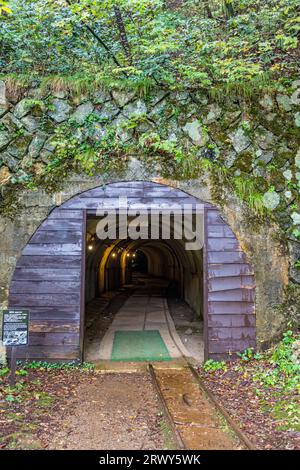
(231, 423)
(239, 433)
(167, 414)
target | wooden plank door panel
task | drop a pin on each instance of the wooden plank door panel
(47, 280)
(229, 291)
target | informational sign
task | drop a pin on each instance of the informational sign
(15, 327)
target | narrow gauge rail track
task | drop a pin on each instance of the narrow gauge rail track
(193, 413)
(188, 379)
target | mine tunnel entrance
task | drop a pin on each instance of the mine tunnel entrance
(83, 291)
(143, 299)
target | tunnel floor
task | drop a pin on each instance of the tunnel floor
(140, 323)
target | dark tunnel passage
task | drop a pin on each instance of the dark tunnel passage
(119, 269)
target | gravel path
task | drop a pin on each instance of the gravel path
(114, 411)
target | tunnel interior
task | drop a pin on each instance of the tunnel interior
(117, 269)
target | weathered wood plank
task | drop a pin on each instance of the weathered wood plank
(60, 213)
(219, 231)
(223, 244)
(47, 261)
(135, 203)
(43, 300)
(229, 333)
(65, 352)
(168, 192)
(92, 213)
(229, 307)
(55, 249)
(61, 224)
(108, 191)
(226, 257)
(231, 320)
(232, 356)
(128, 184)
(46, 274)
(234, 295)
(228, 270)
(67, 314)
(133, 193)
(53, 326)
(53, 339)
(233, 345)
(225, 283)
(44, 287)
(214, 218)
(56, 236)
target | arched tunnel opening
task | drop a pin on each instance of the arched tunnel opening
(91, 297)
(145, 293)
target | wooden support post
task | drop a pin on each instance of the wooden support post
(13, 366)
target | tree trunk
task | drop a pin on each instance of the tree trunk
(207, 9)
(98, 38)
(228, 8)
(122, 33)
(173, 4)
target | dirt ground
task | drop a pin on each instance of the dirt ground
(55, 407)
(124, 413)
(259, 411)
(75, 409)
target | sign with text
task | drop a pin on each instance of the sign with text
(15, 327)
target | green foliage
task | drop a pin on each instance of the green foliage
(152, 143)
(79, 150)
(86, 82)
(44, 365)
(222, 48)
(22, 372)
(273, 377)
(247, 189)
(143, 42)
(212, 366)
(4, 371)
(284, 372)
(248, 355)
(12, 398)
(4, 8)
(286, 413)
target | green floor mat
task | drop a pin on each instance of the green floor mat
(137, 346)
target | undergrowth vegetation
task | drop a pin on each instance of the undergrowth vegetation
(28, 408)
(243, 45)
(272, 377)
